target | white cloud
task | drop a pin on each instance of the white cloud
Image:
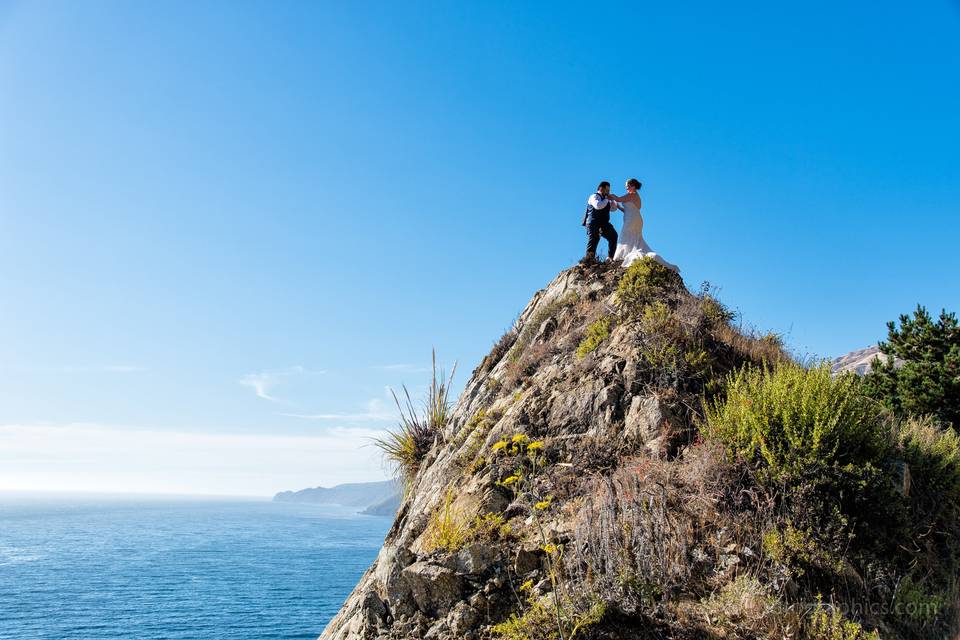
(105, 368)
(97, 458)
(376, 411)
(410, 368)
(264, 382)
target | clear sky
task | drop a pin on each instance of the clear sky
(227, 227)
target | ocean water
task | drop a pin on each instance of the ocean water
(101, 568)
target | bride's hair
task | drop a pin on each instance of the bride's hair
(636, 184)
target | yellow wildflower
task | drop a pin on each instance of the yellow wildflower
(499, 445)
(536, 444)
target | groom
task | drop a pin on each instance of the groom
(597, 221)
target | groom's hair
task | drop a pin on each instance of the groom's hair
(602, 185)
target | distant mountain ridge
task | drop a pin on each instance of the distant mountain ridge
(374, 498)
(856, 361)
(860, 361)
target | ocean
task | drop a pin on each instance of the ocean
(108, 567)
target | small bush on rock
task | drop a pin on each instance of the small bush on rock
(643, 280)
(597, 332)
(829, 623)
(539, 621)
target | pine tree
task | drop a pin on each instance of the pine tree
(921, 371)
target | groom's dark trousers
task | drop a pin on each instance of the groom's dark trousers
(597, 222)
(596, 229)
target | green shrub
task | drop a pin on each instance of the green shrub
(714, 311)
(536, 623)
(921, 372)
(597, 332)
(797, 548)
(491, 527)
(933, 454)
(915, 603)
(829, 623)
(792, 418)
(542, 621)
(644, 279)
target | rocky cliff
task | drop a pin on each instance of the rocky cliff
(569, 494)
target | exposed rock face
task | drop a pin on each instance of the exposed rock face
(858, 361)
(574, 493)
(410, 592)
(576, 404)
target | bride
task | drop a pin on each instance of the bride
(632, 246)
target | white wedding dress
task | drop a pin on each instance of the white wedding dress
(631, 245)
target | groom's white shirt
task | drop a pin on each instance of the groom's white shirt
(599, 202)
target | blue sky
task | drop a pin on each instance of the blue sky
(217, 217)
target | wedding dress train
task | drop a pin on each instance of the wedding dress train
(631, 245)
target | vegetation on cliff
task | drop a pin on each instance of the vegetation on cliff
(629, 462)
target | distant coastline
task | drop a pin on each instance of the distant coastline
(370, 498)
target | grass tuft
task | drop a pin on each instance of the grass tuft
(405, 447)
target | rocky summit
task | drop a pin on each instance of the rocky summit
(575, 491)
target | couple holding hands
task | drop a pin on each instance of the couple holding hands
(627, 246)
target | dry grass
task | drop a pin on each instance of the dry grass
(528, 364)
(633, 538)
(766, 349)
(449, 528)
(746, 608)
(500, 349)
(653, 531)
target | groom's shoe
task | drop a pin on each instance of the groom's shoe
(590, 258)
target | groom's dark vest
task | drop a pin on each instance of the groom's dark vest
(598, 216)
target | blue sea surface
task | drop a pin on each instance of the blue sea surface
(100, 568)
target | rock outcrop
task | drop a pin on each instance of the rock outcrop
(570, 495)
(602, 405)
